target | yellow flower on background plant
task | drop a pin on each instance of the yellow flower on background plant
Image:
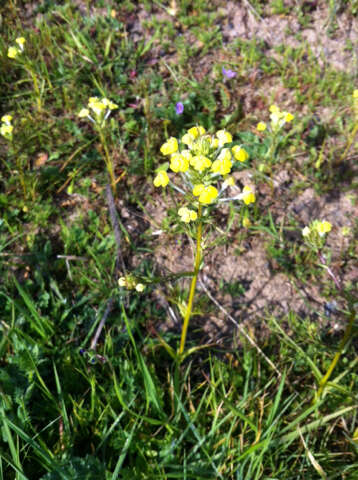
(6, 131)
(316, 227)
(139, 287)
(261, 126)
(223, 137)
(323, 228)
(6, 119)
(229, 182)
(83, 113)
(109, 104)
(13, 52)
(248, 195)
(306, 231)
(162, 179)
(187, 215)
(170, 146)
(355, 93)
(21, 42)
(288, 117)
(240, 153)
(207, 194)
(274, 109)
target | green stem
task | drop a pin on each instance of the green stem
(346, 337)
(349, 144)
(193, 282)
(108, 161)
(36, 86)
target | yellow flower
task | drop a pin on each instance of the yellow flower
(200, 162)
(83, 113)
(122, 282)
(323, 228)
(92, 100)
(248, 195)
(139, 287)
(162, 179)
(240, 153)
(223, 163)
(188, 139)
(110, 105)
(6, 119)
(206, 194)
(288, 117)
(214, 142)
(229, 182)
(6, 131)
(187, 155)
(187, 215)
(261, 126)
(170, 146)
(198, 189)
(178, 163)
(97, 107)
(13, 52)
(306, 232)
(274, 109)
(196, 131)
(223, 137)
(355, 94)
(21, 42)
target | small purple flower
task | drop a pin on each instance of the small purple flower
(228, 73)
(179, 108)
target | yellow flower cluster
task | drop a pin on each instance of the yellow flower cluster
(13, 52)
(130, 283)
(278, 119)
(101, 109)
(6, 128)
(317, 227)
(248, 195)
(202, 159)
(187, 215)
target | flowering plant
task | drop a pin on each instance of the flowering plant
(18, 53)
(97, 111)
(315, 233)
(13, 51)
(278, 119)
(6, 128)
(204, 163)
(201, 164)
(315, 237)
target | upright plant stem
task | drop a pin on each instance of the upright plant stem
(349, 144)
(342, 344)
(108, 161)
(347, 333)
(193, 281)
(36, 86)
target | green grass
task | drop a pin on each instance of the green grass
(87, 390)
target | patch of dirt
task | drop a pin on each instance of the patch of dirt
(329, 48)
